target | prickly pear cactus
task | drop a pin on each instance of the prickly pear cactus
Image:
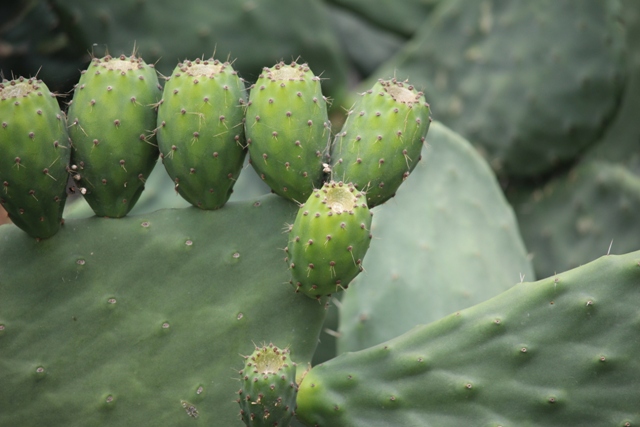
(380, 142)
(328, 240)
(201, 131)
(268, 394)
(111, 119)
(140, 321)
(557, 352)
(288, 130)
(35, 156)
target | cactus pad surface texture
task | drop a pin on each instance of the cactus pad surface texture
(556, 352)
(140, 320)
(447, 241)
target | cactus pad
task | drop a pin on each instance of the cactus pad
(140, 321)
(556, 352)
(35, 156)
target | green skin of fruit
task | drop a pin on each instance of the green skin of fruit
(35, 157)
(112, 118)
(381, 140)
(268, 394)
(201, 131)
(288, 130)
(329, 239)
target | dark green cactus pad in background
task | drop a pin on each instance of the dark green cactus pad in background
(288, 130)
(532, 84)
(111, 122)
(447, 241)
(140, 321)
(403, 18)
(201, 130)
(35, 151)
(592, 209)
(256, 32)
(381, 140)
(557, 352)
(267, 397)
(579, 216)
(329, 239)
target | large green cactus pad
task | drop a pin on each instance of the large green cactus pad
(447, 241)
(531, 83)
(140, 320)
(557, 352)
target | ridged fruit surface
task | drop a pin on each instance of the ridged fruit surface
(329, 239)
(201, 131)
(381, 140)
(288, 130)
(267, 397)
(111, 123)
(34, 147)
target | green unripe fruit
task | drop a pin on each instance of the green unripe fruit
(269, 389)
(201, 131)
(35, 156)
(328, 240)
(112, 116)
(380, 142)
(288, 130)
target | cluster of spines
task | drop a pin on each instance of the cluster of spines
(268, 394)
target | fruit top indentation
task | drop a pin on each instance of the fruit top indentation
(340, 199)
(402, 94)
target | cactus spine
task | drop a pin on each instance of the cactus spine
(201, 131)
(268, 394)
(35, 156)
(329, 239)
(288, 130)
(112, 117)
(380, 142)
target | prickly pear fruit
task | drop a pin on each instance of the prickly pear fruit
(328, 240)
(288, 130)
(380, 142)
(112, 117)
(35, 156)
(269, 389)
(201, 131)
